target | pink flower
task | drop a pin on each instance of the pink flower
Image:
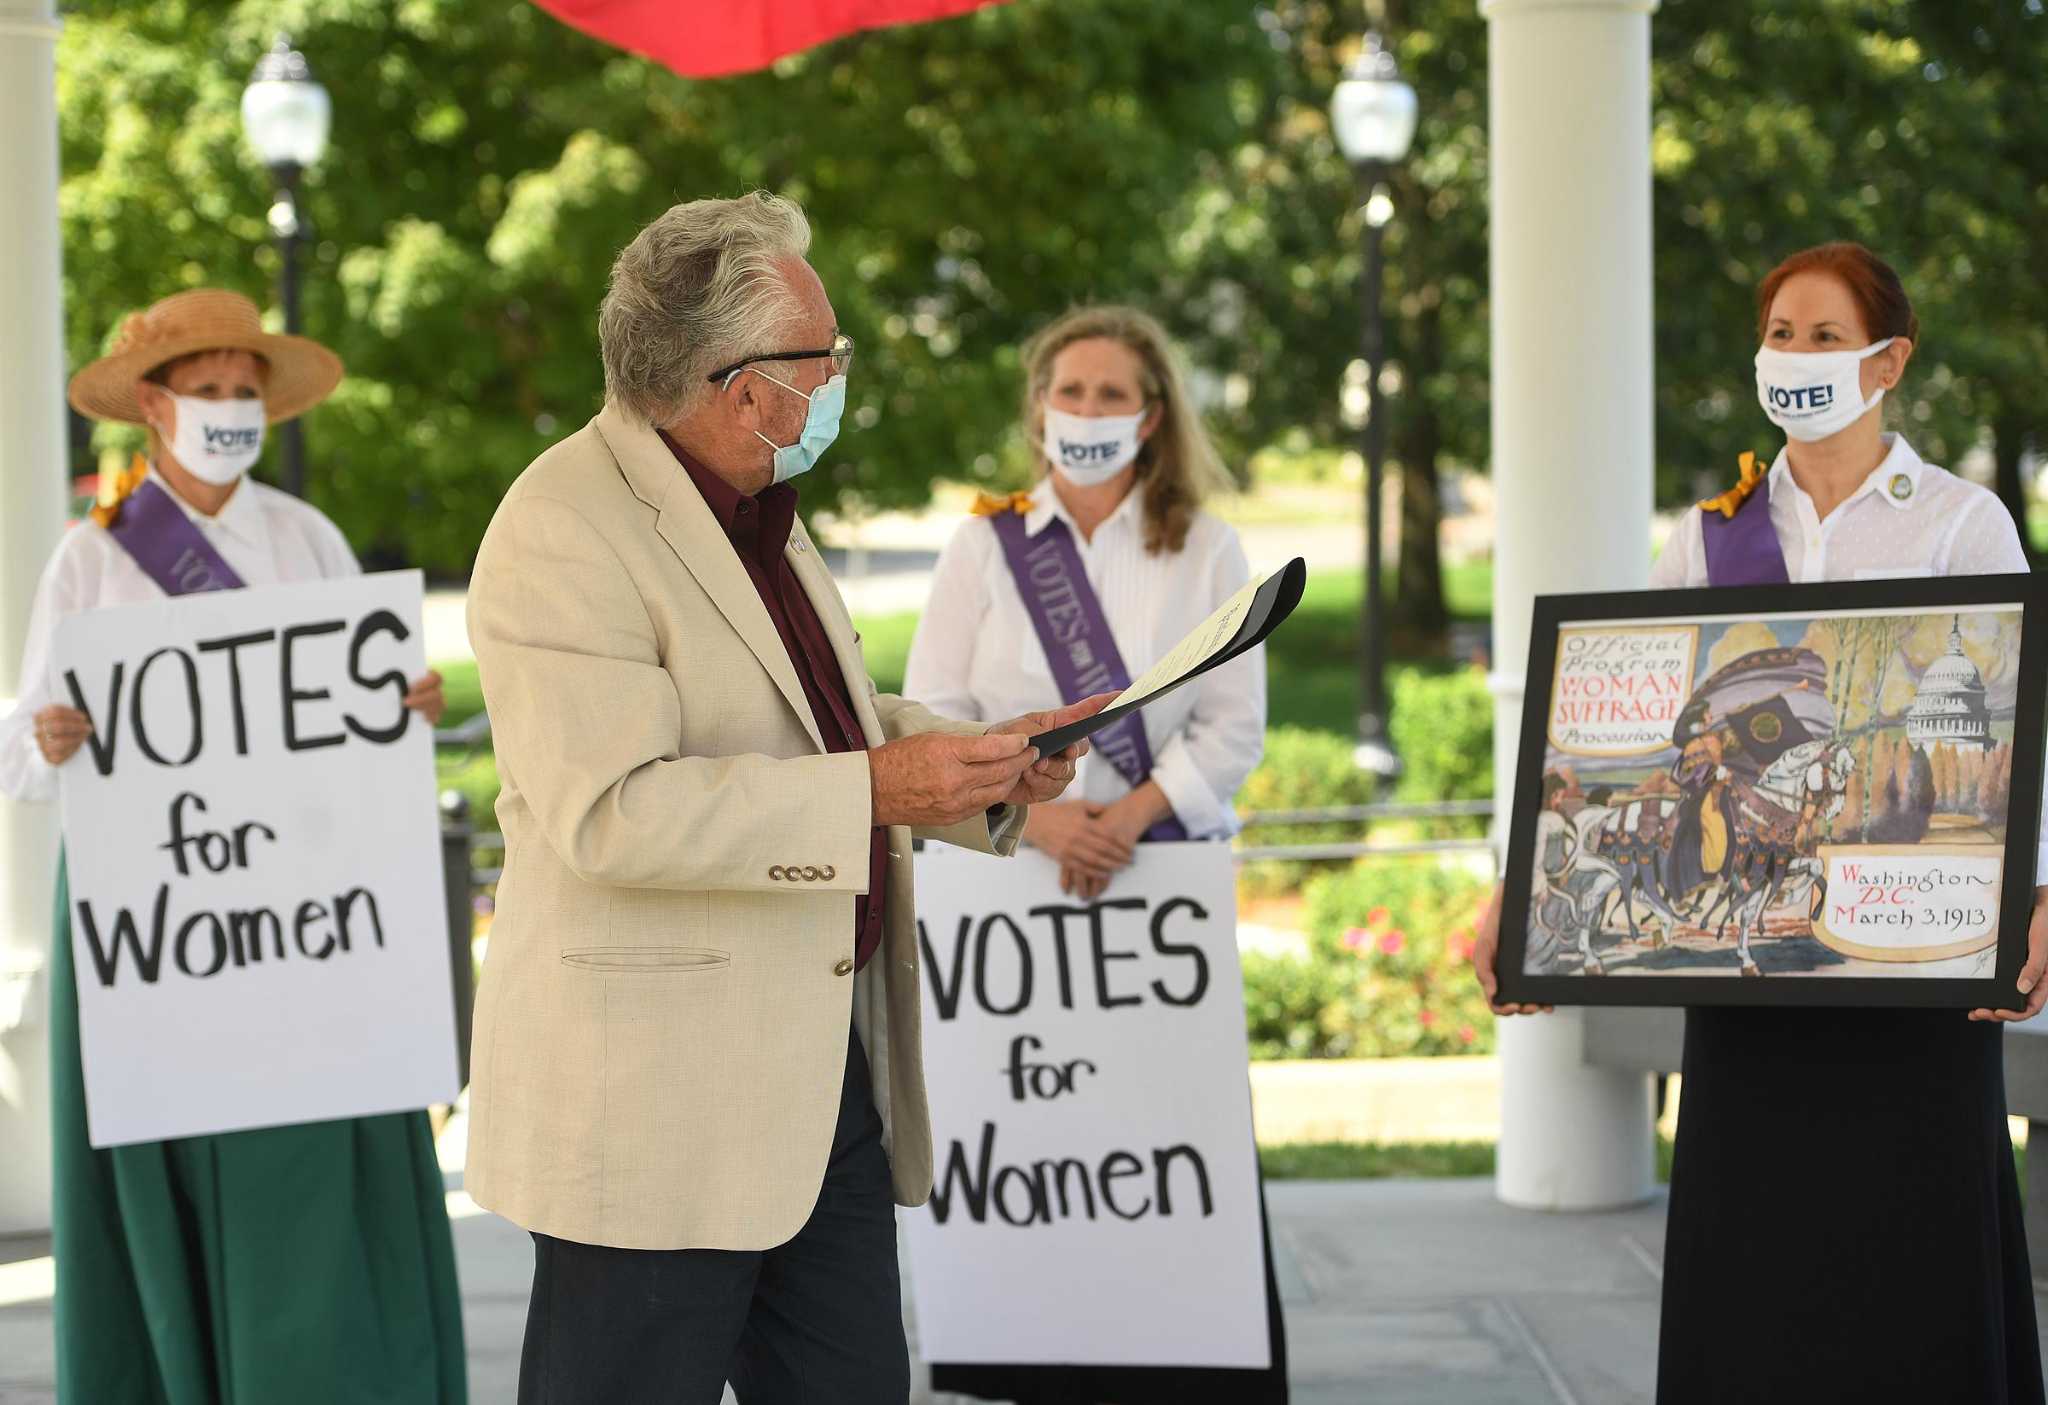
(1428, 1019)
(1466, 1034)
(1461, 945)
(1392, 942)
(1378, 917)
(1355, 937)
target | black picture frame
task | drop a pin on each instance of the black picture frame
(1555, 614)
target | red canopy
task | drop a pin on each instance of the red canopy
(707, 38)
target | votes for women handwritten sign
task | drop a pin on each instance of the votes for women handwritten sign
(1096, 1197)
(256, 910)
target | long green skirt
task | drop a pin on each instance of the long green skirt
(307, 1264)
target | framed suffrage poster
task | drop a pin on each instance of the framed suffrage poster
(1096, 1195)
(1786, 795)
(257, 917)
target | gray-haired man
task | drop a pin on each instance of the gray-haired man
(696, 1060)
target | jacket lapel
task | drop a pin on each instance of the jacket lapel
(831, 607)
(686, 524)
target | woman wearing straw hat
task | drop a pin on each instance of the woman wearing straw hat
(309, 1263)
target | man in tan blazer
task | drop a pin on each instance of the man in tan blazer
(696, 1065)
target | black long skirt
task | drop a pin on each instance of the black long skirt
(1845, 1218)
(1137, 1385)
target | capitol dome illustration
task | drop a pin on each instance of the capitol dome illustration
(1949, 708)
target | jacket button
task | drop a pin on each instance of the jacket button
(775, 874)
(844, 968)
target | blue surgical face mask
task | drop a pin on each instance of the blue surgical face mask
(821, 427)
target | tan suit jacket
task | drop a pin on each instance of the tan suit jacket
(661, 1026)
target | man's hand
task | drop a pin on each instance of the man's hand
(1074, 837)
(2030, 982)
(426, 698)
(1485, 947)
(943, 778)
(60, 731)
(1047, 779)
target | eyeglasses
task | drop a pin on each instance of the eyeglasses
(841, 352)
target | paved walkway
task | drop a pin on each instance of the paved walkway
(1429, 1292)
(1395, 1291)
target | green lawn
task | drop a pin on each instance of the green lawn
(1364, 1161)
(1356, 1161)
(465, 694)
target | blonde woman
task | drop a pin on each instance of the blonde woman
(1071, 590)
(310, 1263)
(1124, 464)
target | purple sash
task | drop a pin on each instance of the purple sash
(1067, 614)
(168, 545)
(1744, 549)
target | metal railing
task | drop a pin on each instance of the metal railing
(1365, 815)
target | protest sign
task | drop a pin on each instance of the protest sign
(1096, 1196)
(257, 916)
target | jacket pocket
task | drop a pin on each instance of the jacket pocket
(647, 958)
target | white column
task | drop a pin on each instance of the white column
(1569, 90)
(32, 503)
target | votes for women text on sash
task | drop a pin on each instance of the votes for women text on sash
(257, 917)
(1095, 1196)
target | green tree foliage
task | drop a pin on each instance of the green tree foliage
(1910, 125)
(1279, 290)
(1905, 124)
(966, 181)
(969, 179)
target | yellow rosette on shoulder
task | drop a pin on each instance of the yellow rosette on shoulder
(1730, 502)
(996, 504)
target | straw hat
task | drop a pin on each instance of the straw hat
(302, 372)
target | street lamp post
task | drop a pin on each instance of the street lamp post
(286, 115)
(1372, 114)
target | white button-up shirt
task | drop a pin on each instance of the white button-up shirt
(1909, 518)
(269, 538)
(976, 655)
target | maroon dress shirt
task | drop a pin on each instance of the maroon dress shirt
(758, 528)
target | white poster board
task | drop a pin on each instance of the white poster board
(1096, 1198)
(257, 917)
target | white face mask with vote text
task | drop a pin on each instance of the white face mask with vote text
(217, 441)
(1813, 394)
(1090, 449)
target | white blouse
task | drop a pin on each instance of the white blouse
(976, 655)
(1909, 518)
(269, 537)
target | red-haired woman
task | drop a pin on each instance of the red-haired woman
(1845, 1220)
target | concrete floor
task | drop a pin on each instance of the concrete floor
(1395, 1291)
